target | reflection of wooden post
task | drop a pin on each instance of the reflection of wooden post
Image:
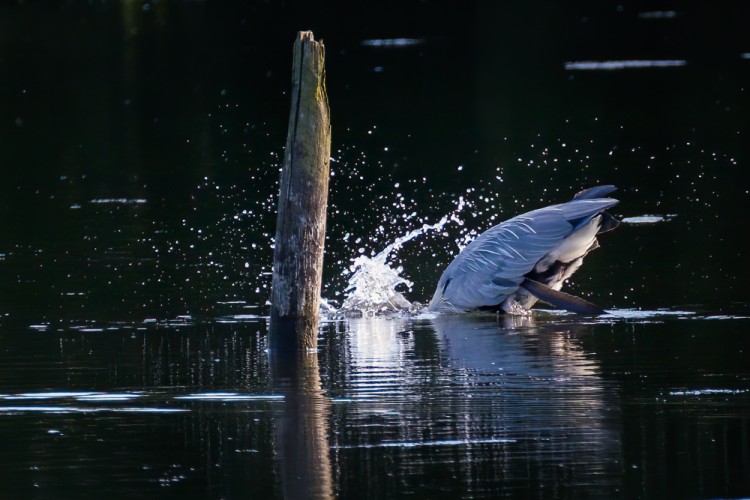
(302, 445)
(303, 198)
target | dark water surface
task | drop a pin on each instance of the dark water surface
(139, 151)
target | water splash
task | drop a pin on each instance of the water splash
(373, 280)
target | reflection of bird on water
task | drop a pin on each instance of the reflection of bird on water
(527, 258)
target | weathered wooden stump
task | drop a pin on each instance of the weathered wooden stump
(303, 199)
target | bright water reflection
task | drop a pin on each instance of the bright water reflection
(389, 407)
(465, 402)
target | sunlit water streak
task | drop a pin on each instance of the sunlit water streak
(392, 42)
(151, 402)
(647, 219)
(77, 396)
(625, 64)
(425, 444)
(642, 314)
(709, 392)
(231, 396)
(630, 314)
(128, 396)
(658, 14)
(87, 409)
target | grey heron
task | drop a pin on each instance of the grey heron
(527, 258)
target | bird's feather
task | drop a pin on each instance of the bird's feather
(493, 266)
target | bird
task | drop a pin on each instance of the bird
(512, 265)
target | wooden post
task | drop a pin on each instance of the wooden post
(303, 199)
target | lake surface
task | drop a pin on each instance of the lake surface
(139, 157)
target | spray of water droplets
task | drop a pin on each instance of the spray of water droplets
(373, 282)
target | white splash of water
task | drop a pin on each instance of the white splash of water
(373, 281)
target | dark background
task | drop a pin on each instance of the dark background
(184, 105)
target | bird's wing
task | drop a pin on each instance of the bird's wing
(494, 265)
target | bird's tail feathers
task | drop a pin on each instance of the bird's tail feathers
(595, 192)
